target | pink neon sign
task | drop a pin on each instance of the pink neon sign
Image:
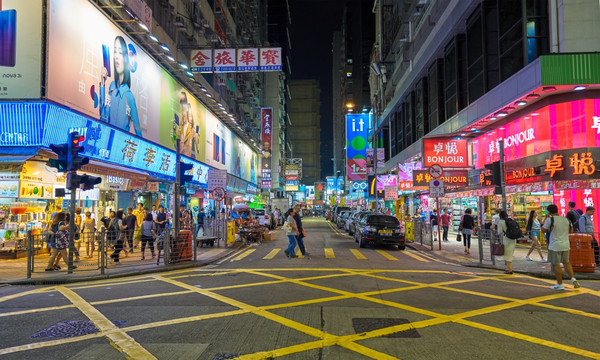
(569, 125)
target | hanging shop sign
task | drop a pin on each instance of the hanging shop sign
(216, 178)
(380, 157)
(266, 115)
(236, 60)
(356, 146)
(114, 183)
(567, 125)
(445, 152)
(391, 193)
(405, 185)
(330, 184)
(421, 178)
(153, 186)
(251, 189)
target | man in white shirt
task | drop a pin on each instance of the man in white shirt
(496, 220)
(559, 246)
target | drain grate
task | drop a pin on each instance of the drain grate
(67, 329)
(226, 356)
(362, 325)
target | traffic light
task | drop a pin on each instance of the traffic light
(75, 162)
(183, 169)
(495, 173)
(84, 182)
(62, 163)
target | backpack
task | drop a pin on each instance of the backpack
(513, 230)
(575, 215)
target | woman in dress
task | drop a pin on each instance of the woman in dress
(88, 229)
(534, 227)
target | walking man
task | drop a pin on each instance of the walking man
(300, 234)
(558, 246)
(130, 221)
(445, 218)
(573, 217)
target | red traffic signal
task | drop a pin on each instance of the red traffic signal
(75, 162)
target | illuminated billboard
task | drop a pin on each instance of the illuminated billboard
(356, 146)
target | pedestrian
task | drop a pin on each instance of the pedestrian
(433, 219)
(200, 222)
(154, 212)
(140, 215)
(88, 230)
(301, 232)
(130, 223)
(445, 218)
(496, 220)
(161, 220)
(573, 217)
(559, 246)
(276, 216)
(291, 229)
(467, 224)
(586, 225)
(118, 229)
(533, 227)
(60, 241)
(509, 243)
(148, 234)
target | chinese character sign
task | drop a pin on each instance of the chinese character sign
(445, 152)
(582, 198)
(270, 59)
(247, 60)
(201, 61)
(266, 116)
(224, 60)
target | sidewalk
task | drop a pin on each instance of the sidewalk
(14, 272)
(454, 251)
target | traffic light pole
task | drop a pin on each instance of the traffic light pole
(71, 227)
(176, 191)
(502, 185)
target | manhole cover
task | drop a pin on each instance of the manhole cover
(362, 325)
(67, 329)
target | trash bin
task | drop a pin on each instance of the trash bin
(186, 250)
(581, 255)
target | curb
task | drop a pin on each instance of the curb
(164, 268)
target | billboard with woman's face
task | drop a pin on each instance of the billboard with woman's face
(96, 69)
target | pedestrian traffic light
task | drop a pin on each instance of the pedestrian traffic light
(84, 182)
(183, 176)
(61, 164)
(495, 173)
(75, 162)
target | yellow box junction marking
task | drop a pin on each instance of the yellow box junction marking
(357, 254)
(329, 253)
(271, 254)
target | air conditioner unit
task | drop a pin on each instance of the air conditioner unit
(179, 21)
(205, 23)
(220, 82)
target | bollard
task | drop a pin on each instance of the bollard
(29, 253)
(102, 252)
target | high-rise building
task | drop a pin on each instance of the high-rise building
(304, 133)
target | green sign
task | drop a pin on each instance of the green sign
(570, 69)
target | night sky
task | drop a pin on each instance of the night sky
(311, 32)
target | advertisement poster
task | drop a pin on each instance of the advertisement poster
(9, 189)
(21, 50)
(96, 69)
(356, 146)
(266, 115)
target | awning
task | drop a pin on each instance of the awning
(14, 159)
(16, 155)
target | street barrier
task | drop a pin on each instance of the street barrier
(581, 255)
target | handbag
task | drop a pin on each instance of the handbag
(497, 249)
(303, 233)
(458, 237)
(287, 227)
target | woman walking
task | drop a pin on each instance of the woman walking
(467, 224)
(291, 229)
(88, 229)
(60, 232)
(509, 244)
(534, 227)
(148, 234)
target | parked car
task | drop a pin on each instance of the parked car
(379, 229)
(349, 220)
(264, 219)
(336, 211)
(341, 219)
(356, 219)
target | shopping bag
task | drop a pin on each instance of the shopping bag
(497, 249)
(458, 237)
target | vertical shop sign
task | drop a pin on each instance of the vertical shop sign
(266, 116)
(356, 146)
(445, 152)
(380, 157)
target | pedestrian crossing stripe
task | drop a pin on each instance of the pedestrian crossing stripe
(358, 254)
(243, 255)
(329, 253)
(417, 257)
(386, 255)
(272, 254)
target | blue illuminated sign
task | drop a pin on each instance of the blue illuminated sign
(42, 124)
(330, 183)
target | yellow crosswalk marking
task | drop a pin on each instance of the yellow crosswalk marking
(386, 255)
(357, 254)
(271, 254)
(415, 256)
(243, 255)
(329, 253)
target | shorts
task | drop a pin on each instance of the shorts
(534, 234)
(434, 228)
(558, 257)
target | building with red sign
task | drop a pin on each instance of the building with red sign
(471, 73)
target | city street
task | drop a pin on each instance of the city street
(340, 302)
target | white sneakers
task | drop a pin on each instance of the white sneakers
(559, 287)
(528, 258)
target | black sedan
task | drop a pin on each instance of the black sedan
(379, 229)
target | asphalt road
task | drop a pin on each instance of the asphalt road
(341, 302)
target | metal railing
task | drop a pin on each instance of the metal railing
(422, 233)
